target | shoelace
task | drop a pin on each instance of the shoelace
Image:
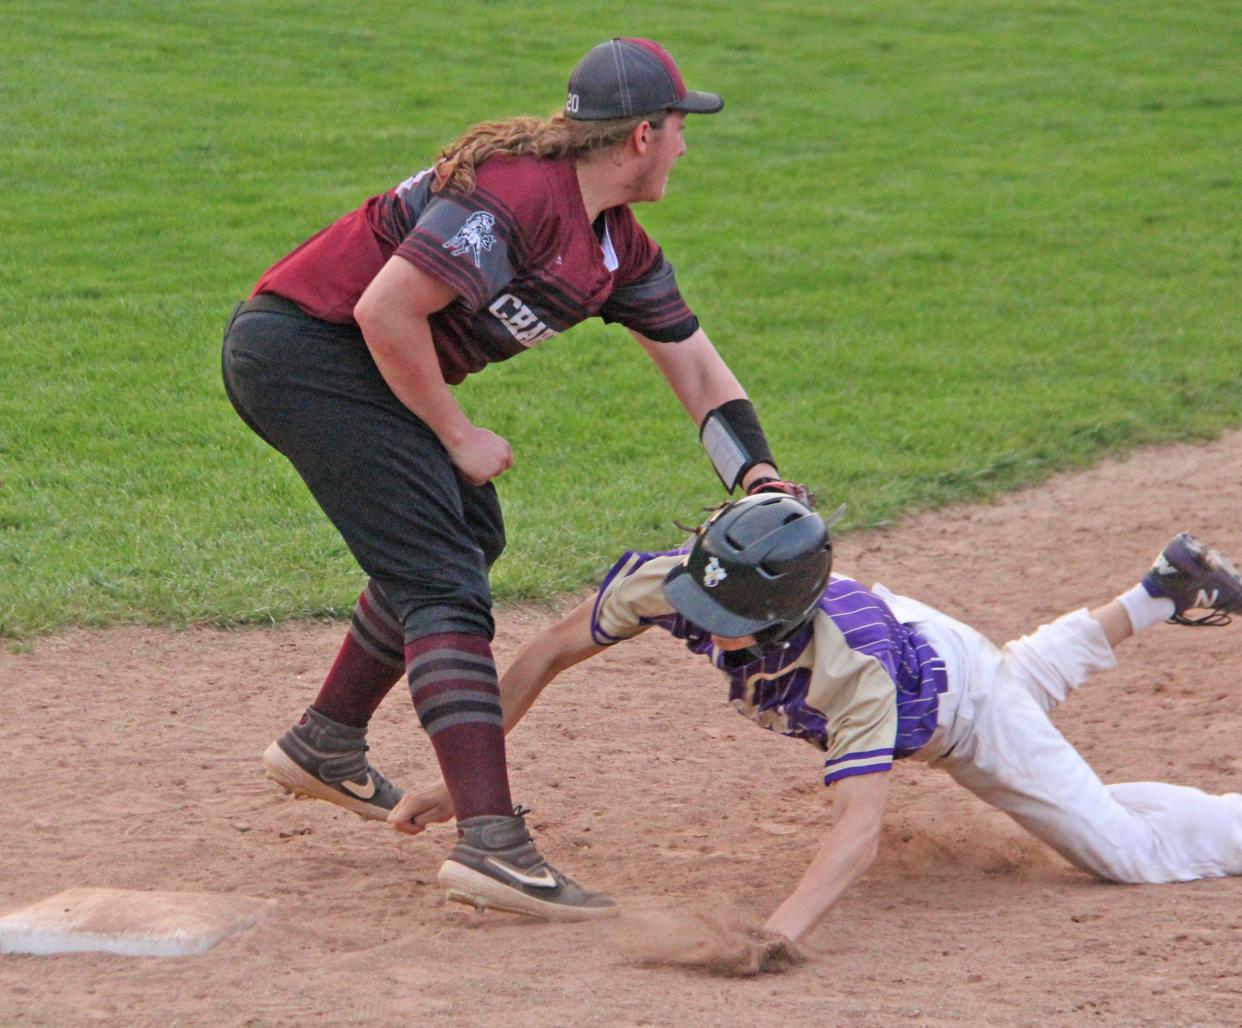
(1216, 619)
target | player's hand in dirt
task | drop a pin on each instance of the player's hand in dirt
(768, 953)
(708, 940)
(480, 455)
(417, 810)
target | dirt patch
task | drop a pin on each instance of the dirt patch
(131, 761)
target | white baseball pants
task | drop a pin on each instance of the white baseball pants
(995, 738)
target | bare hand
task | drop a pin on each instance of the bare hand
(769, 953)
(708, 940)
(417, 810)
(481, 455)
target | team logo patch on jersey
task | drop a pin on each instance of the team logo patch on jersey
(474, 237)
(714, 574)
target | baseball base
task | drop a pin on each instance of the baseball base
(128, 922)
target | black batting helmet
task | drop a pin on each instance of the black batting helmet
(757, 567)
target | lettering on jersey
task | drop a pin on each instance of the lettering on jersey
(714, 574)
(523, 323)
(474, 237)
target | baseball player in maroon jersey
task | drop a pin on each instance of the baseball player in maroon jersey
(870, 677)
(343, 358)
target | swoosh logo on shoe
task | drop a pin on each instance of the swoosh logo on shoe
(363, 792)
(545, 879)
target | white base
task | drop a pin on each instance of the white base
(128, 922)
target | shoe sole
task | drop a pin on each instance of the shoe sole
(465, 885)
(286, 773)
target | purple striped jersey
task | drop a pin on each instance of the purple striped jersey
(855, 681)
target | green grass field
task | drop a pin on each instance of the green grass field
(948, 246)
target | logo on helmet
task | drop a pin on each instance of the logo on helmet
(714, 574)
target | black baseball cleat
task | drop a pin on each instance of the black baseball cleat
(326, 760)
(1194, 577)
(495, 865)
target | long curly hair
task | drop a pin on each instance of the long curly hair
(556, 136)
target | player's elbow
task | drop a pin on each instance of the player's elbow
(378, 316)
(384, 338)
(367, 312)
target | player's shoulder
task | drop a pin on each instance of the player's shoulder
(648, 566)
(842, 597)
(840, 585)
(631, 596)
(638, 577)
(525, 186)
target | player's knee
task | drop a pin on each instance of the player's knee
(467, 616)
(425, 606)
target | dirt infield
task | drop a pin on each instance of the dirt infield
(131, 760)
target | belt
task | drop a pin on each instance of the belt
(272, 304)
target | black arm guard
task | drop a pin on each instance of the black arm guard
(734, 441)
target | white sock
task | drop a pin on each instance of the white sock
(1145, 610)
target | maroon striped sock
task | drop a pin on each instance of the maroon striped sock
(453, 684)
(368, 665)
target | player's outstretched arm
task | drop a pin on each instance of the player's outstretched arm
(538, 662)
(702, 382)
(844, 856)
(566, 643)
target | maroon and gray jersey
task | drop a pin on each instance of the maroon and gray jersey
(518, 250)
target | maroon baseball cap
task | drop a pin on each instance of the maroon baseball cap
(623, 77)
